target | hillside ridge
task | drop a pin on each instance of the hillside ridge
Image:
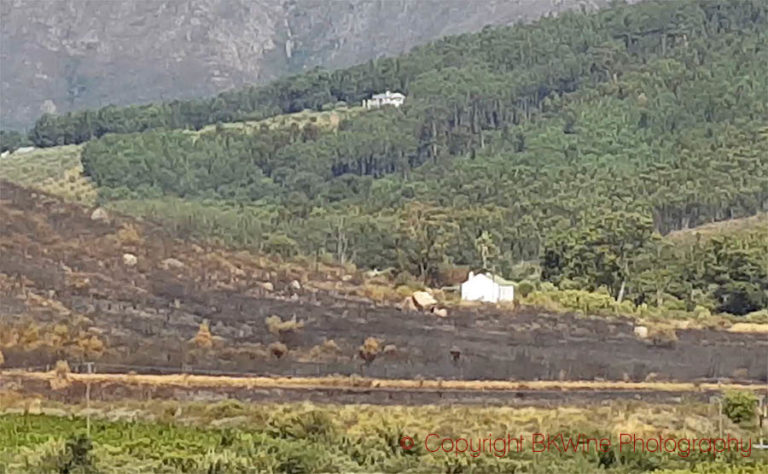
(84, 54)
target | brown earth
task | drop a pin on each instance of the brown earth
(72, 389)
(65, 293)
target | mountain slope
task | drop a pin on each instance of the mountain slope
(571, 141)
(67, 292)
(74, 54)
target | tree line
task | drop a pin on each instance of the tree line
(574, 142)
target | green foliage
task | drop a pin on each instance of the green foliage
(55, 170)
(309, 439)
(574, 142)
(739, 406)
(524, 288)
(10, 140)
(280, 244)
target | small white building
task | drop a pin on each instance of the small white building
(487, 288)
(387, 98)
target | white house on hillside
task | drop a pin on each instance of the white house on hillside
(387, 98)
(487, 288)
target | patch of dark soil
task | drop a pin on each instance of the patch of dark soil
(52, 256)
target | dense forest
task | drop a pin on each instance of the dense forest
(574, 142)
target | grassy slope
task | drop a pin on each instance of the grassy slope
(56, 170)
(327, 120)
(757, 223)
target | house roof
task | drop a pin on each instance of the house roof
(497, 279)
(501, 281)
(388, 95)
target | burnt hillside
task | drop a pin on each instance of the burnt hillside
(66, 292)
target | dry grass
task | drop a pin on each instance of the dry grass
(749, 328)
(326, 120)
(327, 350)
(60, 377)
(662, 335)
(278, 349)
(203, 339)
(56, 170)
(757, 222)
(370, 349)
(382, 384)
(73, 340)
(282, 329)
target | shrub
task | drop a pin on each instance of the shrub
(280, 329)
(672, 303)
(568, 284)
(525, 271)
(406, 279)
(662, 336)
(77, 456)
(203, 339)
(448, 274)
(281, 244)
(378, 293)
(61, 372)
(92, 346)
(62, 369)
(278, 349)
(328, 348)
(225, 409)
(700, 312)
(30, 337)
(129, 235)
(758, 316)
(625, 307)
(369, 350)
(524, 288)
(547, 286)
(403, 292)
(739, 406)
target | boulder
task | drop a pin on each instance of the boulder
(267, 285)
(34, 406)
(295, 285)
(408, 305)
(441, 312)
(390, 349)
(424, 300)
(99, 214)
(171, 264)
(641, 332)
(130, 259)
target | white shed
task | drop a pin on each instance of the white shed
(387, 98)
(487, 288)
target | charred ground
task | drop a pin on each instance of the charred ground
(66, 293)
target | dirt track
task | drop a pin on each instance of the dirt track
(57, 266)
(116, 387)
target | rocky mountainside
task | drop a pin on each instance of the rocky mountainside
(72, 54)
